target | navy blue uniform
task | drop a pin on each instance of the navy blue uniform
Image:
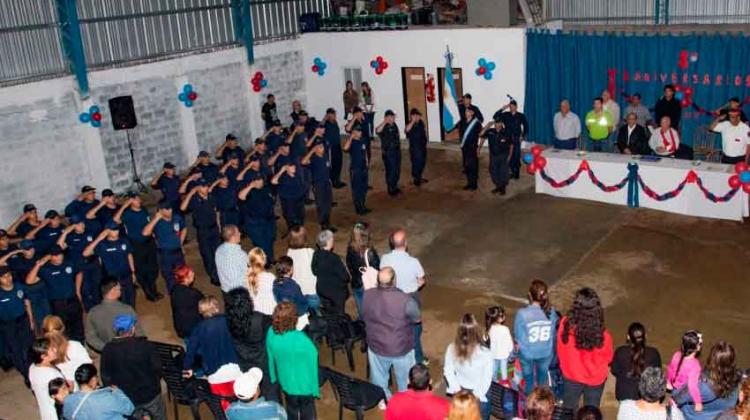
(462, 113)
(226, 204)
(273, 141)
(417, 150)
(36, 293)
(89, 268)
(292, 194)
(24, 228)
(170, 190)
(320, 167)
(332, 138)
(167, 233)
(59, 280)
(390, 144)
(259, 220)
(231, 174)
(516, 127)
(469, 145)
(500, 146)
(358, 176)
(209, 172)
(15, 330)
(79, 208)
(45, 238)
(205, 222)
(114, 257)
(366, 127)
(143, 249)
(236, 153)
(104, 215)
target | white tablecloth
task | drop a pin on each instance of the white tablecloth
(662, 176)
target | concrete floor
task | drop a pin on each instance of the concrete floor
(667, 271)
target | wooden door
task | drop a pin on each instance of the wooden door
(413, 80)
(453, 135)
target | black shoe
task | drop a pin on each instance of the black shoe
(496, 190)
(467, 187)
(334, 203)
(365, 210)
(502, 190)
(339, 184)
(424, 181)
(516, 176)
(417, 182)
(369, 187)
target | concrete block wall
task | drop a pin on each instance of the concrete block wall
(286, 74)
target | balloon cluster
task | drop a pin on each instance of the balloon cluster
(429, 88)
(94, 117)
(188, 95)
(741, 178)
(379, 65)
(684, 94)
(258, 81)
(685, 58)
(534, 160)
(485, 68)
(319, 66)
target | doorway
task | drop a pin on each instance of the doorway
(453, 135)
(413, 80)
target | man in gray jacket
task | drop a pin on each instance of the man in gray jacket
(99, 319)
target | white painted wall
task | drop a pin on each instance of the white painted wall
(417, 48)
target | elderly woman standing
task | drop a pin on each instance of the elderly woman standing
(333, 278)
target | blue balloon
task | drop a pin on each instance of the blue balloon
(488, 75)
(482, 62)
(84, 117)
(374, 64)
(187, 88)
(182, 97)
(321, 72)
(679, 95)
(479, 73)
(322, 65)
(528, 158)
(263, 83)
(745, 177)
(188, 103)
(93, 109)
(491, 65)
(96, 124)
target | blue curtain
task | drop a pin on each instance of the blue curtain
(579, 66)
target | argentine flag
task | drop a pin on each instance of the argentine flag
(451, 115)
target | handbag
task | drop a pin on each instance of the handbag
(369, 273)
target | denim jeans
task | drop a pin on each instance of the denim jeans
(380, 370)
(358, 292)
(418, 353)
(502, 366)
(530, 367)
(313, 302)
(592, 395)
(597, 145)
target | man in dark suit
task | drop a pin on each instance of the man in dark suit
(632, 138)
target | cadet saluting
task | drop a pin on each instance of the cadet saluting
(501, 149)
(292, 194)
(417, 135)
(168, 183)
(169, 230)
(359, 163)
(390, 144)
(16, 321)
(469, 149)
(259, 220)
(206, 221)
(333, 139)
(117, 259)
(74, 240)
(320, 167)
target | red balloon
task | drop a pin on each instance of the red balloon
(379, 70)
(692, 177)
(685, 103)
(678, 88)
(531, 168)
(259, 75)
(256, 88)
(540, 162)
(315, 68)
(584, 165)
(746, 188)
(379, 59)
(482, 70)
(536, 150)
(734, 181)
(740, 167)
(96, 116)
(688, 91)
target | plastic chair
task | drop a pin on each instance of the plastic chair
(562, 413)
(215, 402)
(704, 144)
(341, 334)
(179, 390)
(354, 394)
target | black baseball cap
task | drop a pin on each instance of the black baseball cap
(414, 111)
(51, 213)
(260, 140)
(202, 182)
(26, 244)
(513, 102)
(356, 109)
(255, 158)
(87, 188)
(330, 111)
(28, 207)
(389, 113)
(168, 165)
(203, 153)
(164, 204)
(55, 250)
(318, 141)
(277, 123)
(231, 136)
(132, 194)
(303, 113)
(107, 192)
(734, 99)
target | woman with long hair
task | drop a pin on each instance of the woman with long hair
(742, 410)
(351, 99)
(42, 356)
(718, 385)
(293, 363)
(360, 245)
(464, 406)
(630, 360)
(584, 347)
(184, 299)
(684, 369)
(534, 329)
(367, 103)
(70, 353)
(260, 282)
(302, 255)
(468, 363)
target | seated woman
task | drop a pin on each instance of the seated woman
(665, 140)
(210, 340)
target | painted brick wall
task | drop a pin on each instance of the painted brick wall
(286, 76)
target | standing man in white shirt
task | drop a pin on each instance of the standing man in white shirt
(410, 278)
(231, 260)
(567, 127)
(735, 137)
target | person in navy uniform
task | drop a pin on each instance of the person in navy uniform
(291, 189)
(320, 166)
(463, 105)
(416, 133)
(516, 127)
(358, 168)
(59, 278)
(116, 256)
(133, 216)
(297, 140)
(224, 193)
(358, 119)
(46, 234)
(230, 170)
(501, 149)
(5, 245)
(99, 215)
(74, 240)
(390, 145)
(25, 223)
(168, 228)
(274, 136)
(204, 166)
(256, 207)
(469, 148)
(81, 205)
(168, 183)
(21, 261)
(206, 221)
(16, 321)
(332, 137)
(230, 149)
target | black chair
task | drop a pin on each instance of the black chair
(503, 401)
(562, 413)
(179, 390)
(214, 401)
(342, 334)
(354, 394)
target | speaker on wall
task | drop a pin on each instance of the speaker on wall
(123, 113)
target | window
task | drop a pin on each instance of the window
(354, 74)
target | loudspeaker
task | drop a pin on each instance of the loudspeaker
(123, 113)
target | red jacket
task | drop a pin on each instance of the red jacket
(588, 367)
(416, 405)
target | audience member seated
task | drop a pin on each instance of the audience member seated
(418, 402)
(332, 276)
(100, 318)
(630, 360)
(92, 402)
(633, 138)
(665, 140)
(464, 406)
(184, 299)
(210, 340)
(70, 353)
(293, 363)
(251, 404)
(42, 356)
(302, 255)
(652, 387)
(132, 364)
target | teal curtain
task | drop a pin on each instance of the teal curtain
(579, 66)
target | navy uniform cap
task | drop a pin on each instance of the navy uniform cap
(4, 270)
(202, 182)
(51, 213)
(168, 165)
(330, 111)
(111, 225)
(107, 193)
(75, 219)
(29, 207)
(55, 250)
(26, 244)
(231, 136)
(87, 188)
(389, 113)
(203, 153)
